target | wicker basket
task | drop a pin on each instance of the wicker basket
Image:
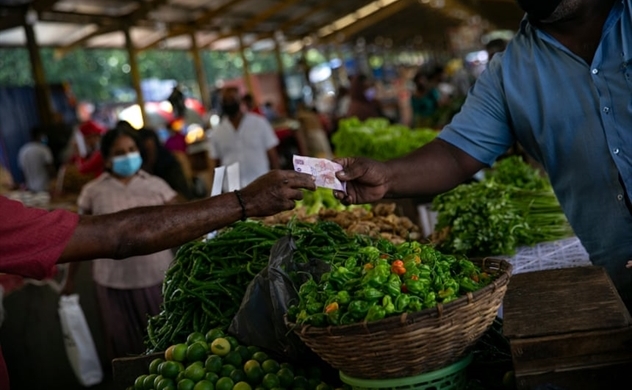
(412, 343)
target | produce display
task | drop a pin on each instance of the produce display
(513, 206)
(377, 138)
(383, 280)
(216, 361)
(207, 280)
(378, 221)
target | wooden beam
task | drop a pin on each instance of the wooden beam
(200, 73)
(367, 21)
(62, 51)
(43, 5)
(9, 22)
(42, 90)
(246, 67)
(135, 74)
(74, 17)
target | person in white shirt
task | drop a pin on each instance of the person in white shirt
(245, 138)
(36, 161)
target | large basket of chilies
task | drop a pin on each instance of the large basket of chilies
(424, 318)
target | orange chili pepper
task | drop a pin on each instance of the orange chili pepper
(368, 266)
(331, 307)
(414, 277)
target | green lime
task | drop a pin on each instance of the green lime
(253, 371)
(260, 388)
(179, 352)
(260, 356)
(224, 383)
(270, 381)
(234, 343)
(195, 372)
(220, 346)
(214, 364)
(314, 372)
(180, 376)
(170, 369)
(186, 384)
(204, 385)
(156, 380)
(288, 366)
(213, 334)
(197, 351)
(300, 371)
(212, 377)
(253, 349)
(300, 382)
(234, 358)
(312, 383)
(195, 336)
(148, 383)
(153, 366)
(238, 375)
(242, 386)
(226, 370)
(323, 386)
(286, 377)
(166, 384)
(270, 366)
(244, 352)
(139, 382)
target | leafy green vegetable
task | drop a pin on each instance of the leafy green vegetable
(378, 139)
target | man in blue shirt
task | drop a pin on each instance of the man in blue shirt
(563, 89)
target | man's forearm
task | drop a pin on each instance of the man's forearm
(433, 169)
(147, 230)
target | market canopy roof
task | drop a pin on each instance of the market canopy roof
(218, 25)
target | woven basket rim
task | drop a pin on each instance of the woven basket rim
(504, 268)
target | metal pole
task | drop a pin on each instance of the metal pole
(199, 72)
(42, 91)
(135, 74)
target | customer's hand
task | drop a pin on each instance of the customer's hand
(367, 180)
(275, 191)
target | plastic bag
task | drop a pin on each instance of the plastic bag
(80, 347)
(260, 318)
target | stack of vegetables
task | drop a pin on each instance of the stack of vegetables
(513, 206)
(384, 280)
(377, 138)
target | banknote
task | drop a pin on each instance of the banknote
(322, 169)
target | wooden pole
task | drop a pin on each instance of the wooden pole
(342, 70)
(42, 90)
(281, 75)
(334, 75)
(246, 65)
(199, 72)
(135, 74)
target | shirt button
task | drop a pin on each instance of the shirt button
(620, 197)
(606, 109)
(615, 151)
(595, 71)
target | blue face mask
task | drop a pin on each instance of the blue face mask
(127, 165)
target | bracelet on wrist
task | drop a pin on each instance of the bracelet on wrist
(241, 203)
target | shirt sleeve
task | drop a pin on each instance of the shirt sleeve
(270, 140)
(31, 239)
(481, 128)
(213, 150)
(164, 189)
(84, 200)
(48, 156)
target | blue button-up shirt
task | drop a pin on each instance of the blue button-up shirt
(572, 117)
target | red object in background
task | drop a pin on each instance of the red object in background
(91, 128)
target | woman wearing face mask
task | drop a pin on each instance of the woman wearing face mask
(127, 291)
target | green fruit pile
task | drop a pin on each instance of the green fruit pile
(217, 361)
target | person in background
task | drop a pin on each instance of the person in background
(559, 88)
(426, 98)
(312, 130)
(362, 103)
(495, 46)
(245, 138)
(92, 163)
(176, 142)
(176, 98)
(33, 241)
(269, 112)
(159, 161)
(340, 107)
(128, 291)
(36, 161)
(249, 102)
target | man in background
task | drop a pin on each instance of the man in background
(36, 161)
(244, 138)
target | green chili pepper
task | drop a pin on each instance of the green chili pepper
(370, 293)
(314, 306)
(343, 297)
(443, 294)
(417, 287)
(370, 253)
(401, 303)
(393, 285)
(341, 275)
(415, 304)
(375, 313)
(351, 262)
(430, 300)
(388, 305)
(319, 319)
(358, 309)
